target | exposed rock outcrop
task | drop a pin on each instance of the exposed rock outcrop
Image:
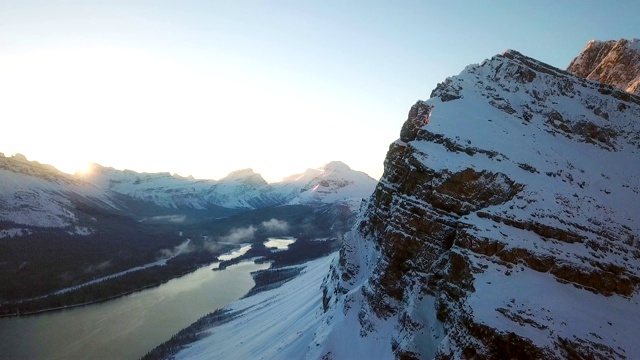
(612, 62)
(505, 226)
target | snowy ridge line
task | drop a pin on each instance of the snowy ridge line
(242, 189)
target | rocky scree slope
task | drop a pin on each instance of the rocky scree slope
(611, 62)
(505, 226)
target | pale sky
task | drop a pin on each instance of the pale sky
(203, 88)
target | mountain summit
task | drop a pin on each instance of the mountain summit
(612, 62)
(505, 226)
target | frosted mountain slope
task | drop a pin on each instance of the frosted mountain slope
(275, 324)
(334, 182)
(164, 189)
(34, 194)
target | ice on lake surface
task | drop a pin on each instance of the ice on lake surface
(280, 243)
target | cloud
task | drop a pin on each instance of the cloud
(212, 247)
(178, 249)
(239, 235)
(170, 218)
(275, 225)
(100, 267)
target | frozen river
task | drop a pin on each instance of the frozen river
(127, 327)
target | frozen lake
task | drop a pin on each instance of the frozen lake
(281, 243)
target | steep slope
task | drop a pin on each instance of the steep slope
(275, 324)
(505, 224)
(612, 62)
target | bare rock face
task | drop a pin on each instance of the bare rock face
(616, 63)
(504, 226)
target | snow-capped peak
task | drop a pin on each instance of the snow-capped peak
(302, 178)
(336, 166)
(333, 182)
(245, 175)
(613, 62)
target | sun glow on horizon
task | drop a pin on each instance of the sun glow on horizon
(151, 113)
(86, 169)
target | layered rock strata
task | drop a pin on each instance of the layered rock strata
(505, 225)
(612, 62)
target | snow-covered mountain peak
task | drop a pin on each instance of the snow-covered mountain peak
(244, 175)
(19, 157)
(336, 166)
(19, 163)
(240, 189)
(331, 183)
(515, 179)
(613, 62)
(178, 176)
(302, 178)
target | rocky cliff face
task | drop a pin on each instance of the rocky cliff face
(612, 62)
(505, 224)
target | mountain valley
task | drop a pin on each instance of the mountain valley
(61, 231)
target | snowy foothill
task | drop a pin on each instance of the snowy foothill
(14, 232)
(274, 324)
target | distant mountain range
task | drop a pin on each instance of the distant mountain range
(38, 195)
(59, 230)
(241, 189)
